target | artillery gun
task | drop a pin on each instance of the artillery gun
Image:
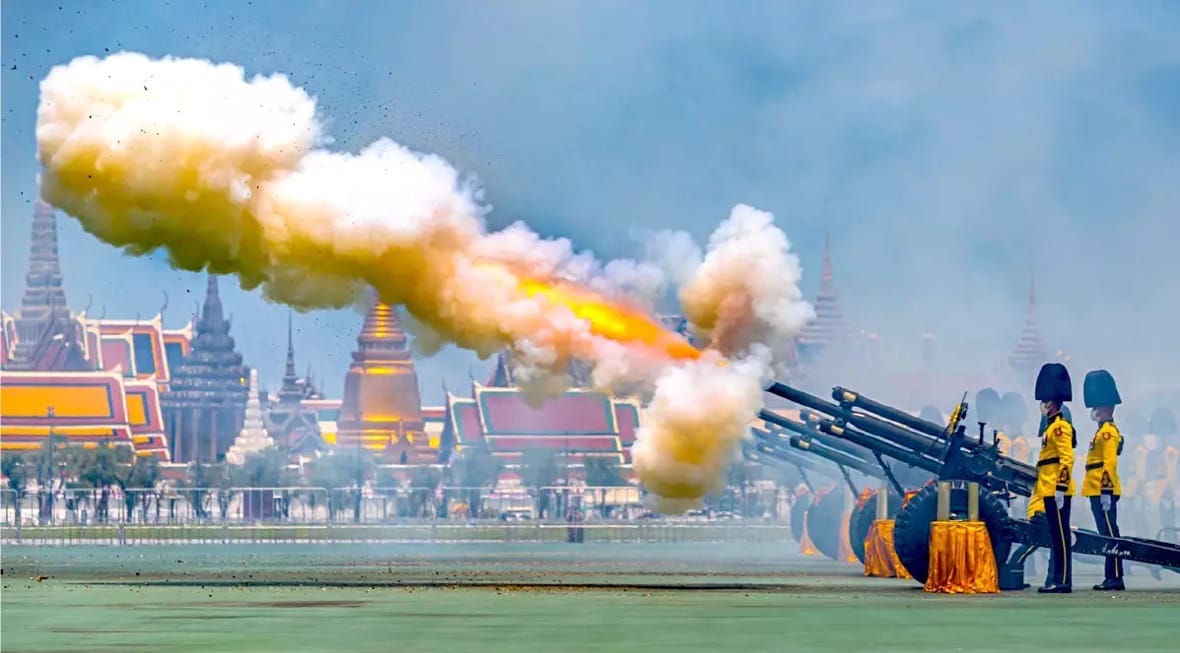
(948, 454)
(789, 444)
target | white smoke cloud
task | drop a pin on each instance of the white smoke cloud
(229, 173)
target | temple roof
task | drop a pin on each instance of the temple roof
(85, 407)
(1031, 349)
(212, 374)
(44, 297)
(381, 405)
(580, 422)
(145, 418)
(828, 325)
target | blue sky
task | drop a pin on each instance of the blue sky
(952, 151)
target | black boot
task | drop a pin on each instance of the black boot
(1057, 588)
(1111, 585)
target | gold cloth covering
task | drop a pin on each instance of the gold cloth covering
(961, 559)
(880, 557)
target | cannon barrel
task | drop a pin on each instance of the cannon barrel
(796, 426)
(943, 451)
(766, 446)
(914, 441)
(788, 448)
(878, 444)
(853, 399)
(866, 467)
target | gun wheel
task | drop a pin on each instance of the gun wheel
(862, 520)
(911, 527)
(824, 517)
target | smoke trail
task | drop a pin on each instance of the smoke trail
(744, 296)
(231, 174)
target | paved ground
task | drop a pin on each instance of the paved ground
(535, 597)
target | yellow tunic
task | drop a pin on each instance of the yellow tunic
(1055, 464)
(1137, 477)
(1035, 504)
(1172, 468)
(1020, 449)
(1102, 462)
(1004, 443)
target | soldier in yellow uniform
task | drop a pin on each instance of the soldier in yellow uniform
(1036, 504)
(1101, 483)
(1055, 484)
(1167, 471)
(1135, 499)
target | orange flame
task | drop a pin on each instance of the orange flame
(612, 320)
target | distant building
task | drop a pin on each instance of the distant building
(206, 404)
(253, 436)
(828, 328)
(89, 380)
(289, 420)
(1031, 350)
(577, 424)
(381, 409)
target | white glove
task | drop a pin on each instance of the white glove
(1060, 500)
(1105, 500)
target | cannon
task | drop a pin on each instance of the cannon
(947, 453)
(825, 511)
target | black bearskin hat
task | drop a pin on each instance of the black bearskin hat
(1098, 389)
(932, 414)
(987, 405)
(1053, 383)
(1014, 410)
(1162, 422)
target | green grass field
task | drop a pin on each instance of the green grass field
(535, 597)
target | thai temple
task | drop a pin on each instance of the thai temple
(89, 380)
(828, 328)
(1031, 351)
(253, 436)
(186, 395)
(577, 423)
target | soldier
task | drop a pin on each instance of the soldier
(1036, 503)
(932, 414)
(1166, 471)
(1101, 483)
(1055, 472)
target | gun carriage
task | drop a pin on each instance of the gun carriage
(788, 442)
(947, 453)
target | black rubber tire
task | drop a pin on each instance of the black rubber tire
(824, 518)
(862, 519)
(799, 516)
(911, 527)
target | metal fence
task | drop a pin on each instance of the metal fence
(313, 506)
(428, 532)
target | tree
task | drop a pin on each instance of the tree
(540, 468)
(16, 471)
(603, 472)
(142, 474)
(114, 465)
(205, 480)
(268, 468)
(475, 468)
(343, 473)
(48, 465)
(97, 468)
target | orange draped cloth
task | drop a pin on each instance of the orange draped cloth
(880, 557)
(961, 559)
(806, 547)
